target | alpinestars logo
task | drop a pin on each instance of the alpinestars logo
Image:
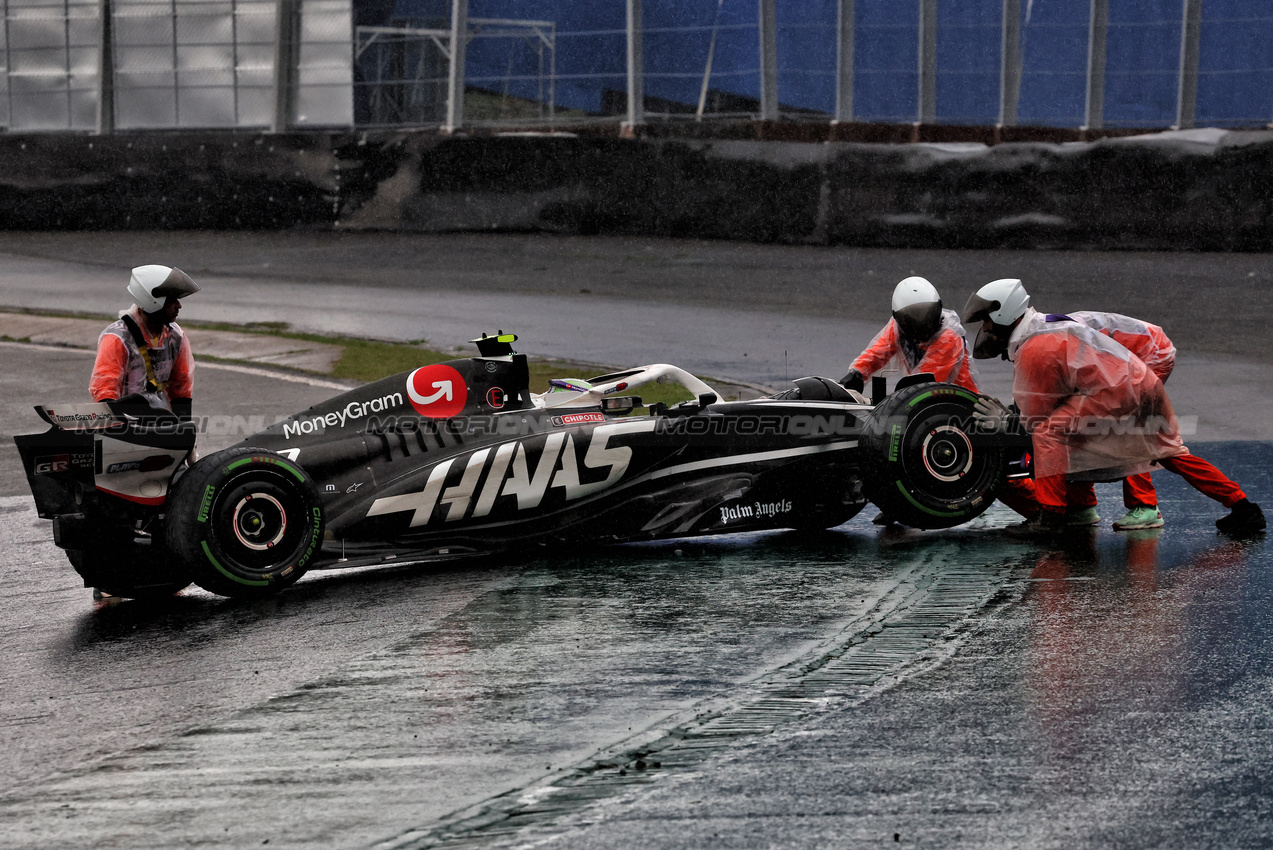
(510, 473)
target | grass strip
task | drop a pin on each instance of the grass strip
(367, 360)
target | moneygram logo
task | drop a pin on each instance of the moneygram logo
(438, 391)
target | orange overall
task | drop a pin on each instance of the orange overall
(945, 355)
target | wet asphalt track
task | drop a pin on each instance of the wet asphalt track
(858, 687)
(956, 689)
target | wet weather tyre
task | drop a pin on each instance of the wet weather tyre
(247, 522)
(922, 462)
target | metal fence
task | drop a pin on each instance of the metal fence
(1060, 63)
(50, 65)
(151, 64)
(403, 77)
(279, 64)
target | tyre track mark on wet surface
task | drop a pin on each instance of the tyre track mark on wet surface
(912, 627)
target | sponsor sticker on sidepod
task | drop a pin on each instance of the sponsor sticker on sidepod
(437, 391)
(355, 410)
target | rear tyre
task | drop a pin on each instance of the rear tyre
(922, 462)
(247, 522)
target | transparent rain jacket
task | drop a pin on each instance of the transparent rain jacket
(1146, 341)
(946, 355)
(1093, 408)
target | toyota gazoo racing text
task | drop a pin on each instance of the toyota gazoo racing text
(459, 459)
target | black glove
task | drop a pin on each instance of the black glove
(853, 381)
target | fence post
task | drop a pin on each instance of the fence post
(636, 66)
(1098, 23)
(1010, 64)
(105, 72)
(1187, 91)
(455, 78)
(286, 59)
(768, 24)
(844, 63)
(926, 113)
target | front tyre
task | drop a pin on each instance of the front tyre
(246, 521)
(923, 463)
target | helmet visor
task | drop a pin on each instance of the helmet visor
(992, 341)
(177, 285)
(919, 322)
(978, 309)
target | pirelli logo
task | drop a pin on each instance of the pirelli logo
(205, 506)
(895, 443)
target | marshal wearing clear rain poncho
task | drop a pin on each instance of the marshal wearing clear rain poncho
(1152, 345)
(1148, 342)
(1093, 408)
(945, 354)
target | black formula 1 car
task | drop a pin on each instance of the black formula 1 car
(459, 460)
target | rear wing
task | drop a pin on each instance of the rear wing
(91, 416)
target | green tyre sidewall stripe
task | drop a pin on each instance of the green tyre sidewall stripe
(274, 461)
(902, 488)
(195, 537)
(207, 553)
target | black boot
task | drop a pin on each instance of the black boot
(1042, 524)
(1245, 518)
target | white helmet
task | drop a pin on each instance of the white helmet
(917, 309)
(151, 286)
(1001, 301)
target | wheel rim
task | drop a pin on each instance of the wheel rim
(940, 456)
(256, 524)
(259, 521)
(947, 453)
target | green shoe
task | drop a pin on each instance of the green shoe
(1082, 516)
(1141, 517)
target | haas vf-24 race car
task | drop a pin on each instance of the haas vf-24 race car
(459, 460)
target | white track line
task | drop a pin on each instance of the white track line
(203, 364)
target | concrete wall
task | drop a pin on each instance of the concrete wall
(1197, 190)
